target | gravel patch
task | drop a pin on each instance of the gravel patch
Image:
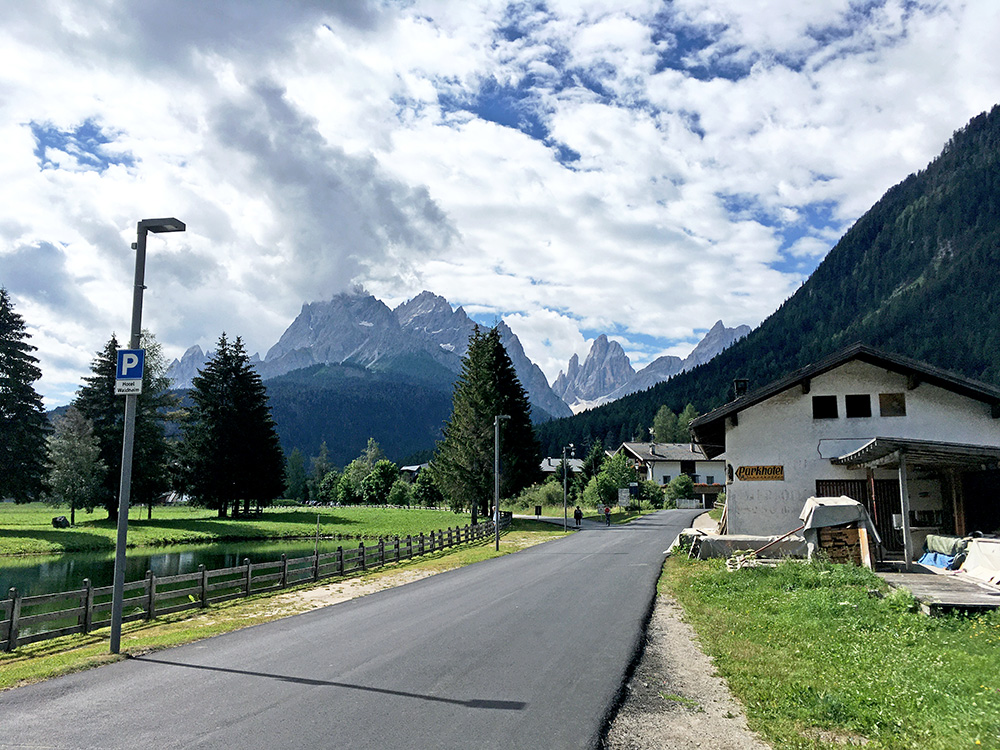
(675, 699)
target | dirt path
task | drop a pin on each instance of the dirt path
(674, 699)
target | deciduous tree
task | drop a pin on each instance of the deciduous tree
(75, 468)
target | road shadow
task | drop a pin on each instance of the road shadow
(472, 703)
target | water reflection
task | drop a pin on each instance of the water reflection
(37, 574)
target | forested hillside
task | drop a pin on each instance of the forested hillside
(916, 275)
(344, 405)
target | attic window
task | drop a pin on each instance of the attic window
(858, 405)
(892, 404)
(824, 407)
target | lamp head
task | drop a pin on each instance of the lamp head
(162, 225)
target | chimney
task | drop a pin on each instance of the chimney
(740, 386)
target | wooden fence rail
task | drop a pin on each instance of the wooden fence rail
(29, 619)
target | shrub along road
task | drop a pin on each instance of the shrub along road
(524, 651)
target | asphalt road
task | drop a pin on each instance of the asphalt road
(525, 651)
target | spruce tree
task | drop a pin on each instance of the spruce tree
(97, 401)
(231, 448)
(464, 462)
(22, 417)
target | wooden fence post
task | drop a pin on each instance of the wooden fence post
(284, 570)
(361, 554)
(409, 546)
(420, 547)
(395, 545)
(151, 595)
(15, 615)
(246, 580)
(88, 605)
(340, 561)
(381, 551)
(316, 565)
(204, 585)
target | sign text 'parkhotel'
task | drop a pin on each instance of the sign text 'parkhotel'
(761, 473)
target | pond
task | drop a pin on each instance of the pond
(45, 574)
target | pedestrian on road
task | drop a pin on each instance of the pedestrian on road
(607, 515)
(578, 516)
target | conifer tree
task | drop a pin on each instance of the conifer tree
(487, 387)
(97, 401)
(231, 448)
(22, 417)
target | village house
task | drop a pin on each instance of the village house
(661, 462)
(917, 445)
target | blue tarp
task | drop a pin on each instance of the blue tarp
(938, 560)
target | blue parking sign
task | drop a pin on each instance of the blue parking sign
(130, 364)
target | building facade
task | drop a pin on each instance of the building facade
(661, 462)
(865, 424)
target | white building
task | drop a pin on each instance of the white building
(661, 462)
(865, 424)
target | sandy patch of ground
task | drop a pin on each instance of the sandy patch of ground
(295, 602)
(675, 698)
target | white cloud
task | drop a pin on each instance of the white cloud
(664, 154)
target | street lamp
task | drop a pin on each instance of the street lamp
(565, 475)
(118, 593)
(496, 476)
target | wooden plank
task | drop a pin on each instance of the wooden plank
(61, 614)
(24, 640)
(33, 601)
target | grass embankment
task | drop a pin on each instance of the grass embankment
(73, 653)
(27, 529)
(819, 662)
(618, 515)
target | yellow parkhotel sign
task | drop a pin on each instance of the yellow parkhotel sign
(761, 473)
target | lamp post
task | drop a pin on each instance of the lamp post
(118, 593)
(565, 475)
(496, 476)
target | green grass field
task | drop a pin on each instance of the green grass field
(819, 662)
(27, 529)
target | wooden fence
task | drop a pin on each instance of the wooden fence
(52, 615)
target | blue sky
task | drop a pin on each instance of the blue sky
(635, 168)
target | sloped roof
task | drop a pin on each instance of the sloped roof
(709, 430)
(652, 452)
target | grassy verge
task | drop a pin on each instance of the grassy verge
(820, 662)
(74, 653)
(27, 529)
(618, 515)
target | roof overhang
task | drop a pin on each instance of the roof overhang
(886, 453)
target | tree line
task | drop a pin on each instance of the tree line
(221, 448)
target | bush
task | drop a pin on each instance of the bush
(547, 493)
(399, 493)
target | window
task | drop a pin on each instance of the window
(892, 404)
(824, 407)
(709, 479)
(687, 467)
(858, 405)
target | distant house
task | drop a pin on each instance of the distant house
(917, 445)
(550, 466)
(409, 473)
(661, 462)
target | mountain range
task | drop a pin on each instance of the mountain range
(424, 340)
(918, 275)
